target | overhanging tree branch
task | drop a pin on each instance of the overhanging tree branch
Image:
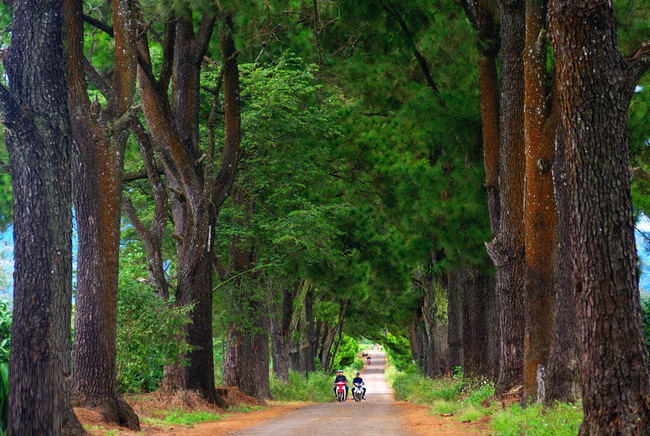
(424, 66)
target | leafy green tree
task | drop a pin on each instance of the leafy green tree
(149, 329)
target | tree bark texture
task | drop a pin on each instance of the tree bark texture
(280, 323)
(39, 142)
(540, 216)
(563, 372)
(100, 137)
(594, 95)
(507, 249)
(478, 318)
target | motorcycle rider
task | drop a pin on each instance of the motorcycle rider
(358, 379)
(341, 378)
(368, 360)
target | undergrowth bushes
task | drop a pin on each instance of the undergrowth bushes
(317, 389)
(465, 397)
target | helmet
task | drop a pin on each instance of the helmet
(358, 373)
(338, 371)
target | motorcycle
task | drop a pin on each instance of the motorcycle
(340, 391)
(357, 392)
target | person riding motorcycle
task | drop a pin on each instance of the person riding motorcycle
(358, 379)
(341, 378)
(368, 360)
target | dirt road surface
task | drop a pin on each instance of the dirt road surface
(379, 414)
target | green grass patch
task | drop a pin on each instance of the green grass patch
(179, 417)
(445, 407)
(535, 420)
(421, 390)
(471, 414)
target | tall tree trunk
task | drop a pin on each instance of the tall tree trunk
(280, 322)
(595, 88)
(336, 348)
(478, 324)
(246, 363)
(482, 15)
(540, 215)
(507, 249)
(454, 320)
(416, 341)
(100, 137)
(435, 358)
(563, 374)
(327, 355)
(326, 347)
(39, 142)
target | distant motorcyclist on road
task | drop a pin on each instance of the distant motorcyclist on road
(341, 378)
(359, 380)
(368, 360)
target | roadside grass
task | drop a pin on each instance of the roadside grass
(465, 398)
(316, 389)
(178, 417)
(559, 420)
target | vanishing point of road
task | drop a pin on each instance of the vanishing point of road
(379, 414)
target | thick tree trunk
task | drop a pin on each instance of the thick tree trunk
(595, 88)
(540, 215)
(507, 249)
(478, 324)
(563, 372)
(246, 363)
(39, 142)
(100, 138)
